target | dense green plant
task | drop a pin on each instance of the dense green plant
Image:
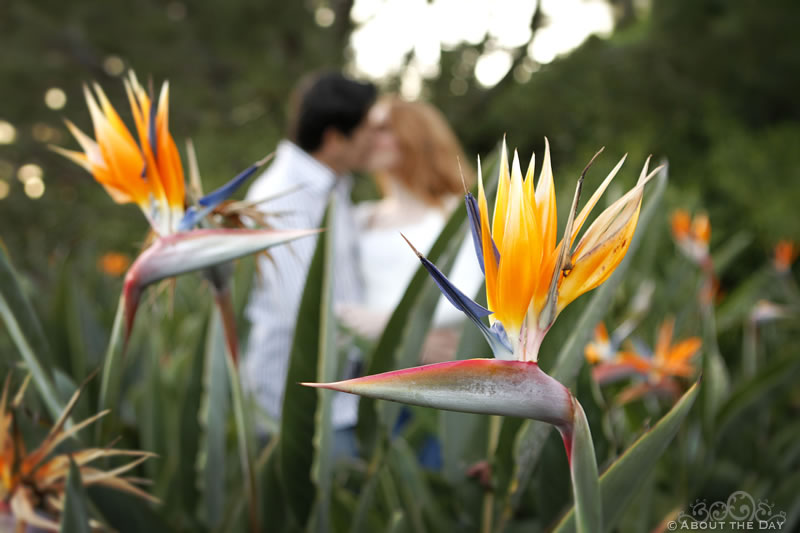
(176, 399)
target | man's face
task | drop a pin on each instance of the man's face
(361, 143)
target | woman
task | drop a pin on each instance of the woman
(421, 171)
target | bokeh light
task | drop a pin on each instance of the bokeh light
(8, 133)
(55, 98)
(492, 66)
(4, 189)
(324, 17)
(45, 133)
(113, 65)
(458, 86)
(28, 172)
(34, 188)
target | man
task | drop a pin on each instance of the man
(329, 137)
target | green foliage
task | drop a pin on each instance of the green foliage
(75, 518)
(620, 482)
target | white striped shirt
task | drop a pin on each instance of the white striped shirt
(275, 297)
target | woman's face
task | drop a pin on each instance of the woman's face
(385, 151)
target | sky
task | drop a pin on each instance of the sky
(387, 30)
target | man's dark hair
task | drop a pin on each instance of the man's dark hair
(327, 100)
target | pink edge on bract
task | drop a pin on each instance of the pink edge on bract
(484, 386)
(566, 437)
(131, 294)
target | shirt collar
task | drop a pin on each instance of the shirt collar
(309, 172)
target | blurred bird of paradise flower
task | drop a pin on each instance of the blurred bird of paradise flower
(599, 349)
(149, 173)
(784, 255)
(32, 484)
(660, 369)
(113, 263)
(692, 235)
(603, 348)
(530, 279)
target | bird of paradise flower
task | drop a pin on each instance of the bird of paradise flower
(530, 279)
(149, 173)
(661, 369)
(33, 484)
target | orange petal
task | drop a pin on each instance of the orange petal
(665, 332)
(169, 164)
(784, 255)
(520, 254)
(546, 202)
(641, 364)
(701, 228)
(601, 249)
(684, 350)
(680, 224)
(587, 209)
(600, 332)
(528, 183)
(120, 153)
(501, 200)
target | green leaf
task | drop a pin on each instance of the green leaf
(26, 332)
(244, 439)
(621, 481)
(190, 432)
(65, 328)
(75, 517)
(737, 305)
(327, 370)
(752, 391)
(215, 410)
(309, 354)
(583, 469)
(112, 371)
(533, 435)
(415, 491)
(397, 522)
(724, 255)
(366, 503)
(264, 469)
(715, 372)
(127, 513)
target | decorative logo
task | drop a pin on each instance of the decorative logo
(739, 512)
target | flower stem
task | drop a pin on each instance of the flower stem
(110, 379)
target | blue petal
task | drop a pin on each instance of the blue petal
(500, 336)
(474, 215)
(496, 337)
(151, 133)
(460, 300)
(207, 203)
(215, 198)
